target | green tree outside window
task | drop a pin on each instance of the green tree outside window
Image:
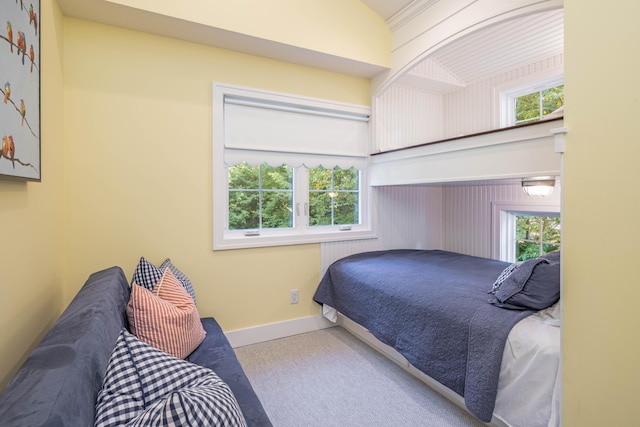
(260, 196)
(333, 196)
(536, 235)
(535, 106)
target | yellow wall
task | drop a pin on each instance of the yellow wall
(31, 253)
(138, 156)
(126, 160)
(601, 338)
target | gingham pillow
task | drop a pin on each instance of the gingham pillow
(503, 276)
(166, 318)
(146, 274)
(180, 276)
(144, 386)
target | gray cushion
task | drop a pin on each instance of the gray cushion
(534, 285)
(52, 387)
(552, 256)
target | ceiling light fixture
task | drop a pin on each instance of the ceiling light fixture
(538, 185)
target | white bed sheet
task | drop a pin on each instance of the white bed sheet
(530, 378)
(529, 387)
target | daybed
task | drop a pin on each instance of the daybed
(482, 330)
(60, 381)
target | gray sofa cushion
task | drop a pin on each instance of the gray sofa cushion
(51, 388)
(216, 353)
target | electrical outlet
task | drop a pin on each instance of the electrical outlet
(293, 296)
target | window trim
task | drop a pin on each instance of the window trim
(501, 227)
(224, 239)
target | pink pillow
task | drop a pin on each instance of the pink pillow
(166, 318)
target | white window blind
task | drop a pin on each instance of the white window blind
(258, 131)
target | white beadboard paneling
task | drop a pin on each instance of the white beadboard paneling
(467, 212)
(503, 46)
(476, 107)
(409, 217)
(451, 216)
(407, 116)
(453, 92)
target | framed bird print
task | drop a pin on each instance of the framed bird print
(20, 89)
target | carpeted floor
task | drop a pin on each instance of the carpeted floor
(331, 378)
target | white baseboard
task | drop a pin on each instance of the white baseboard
(273, 331)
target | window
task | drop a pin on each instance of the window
(522, 230)
(527, 100)
(260, 197)
(334, 196)
(536, 235)
(288, 169)
(534, 106)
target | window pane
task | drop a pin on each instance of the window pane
(522, 227)
(243, 210)
(277, 211)
(260, 197)
(552, 99)
(536, 235)
(320, 208)
(346, 208)
(334, 196)
(527, 250)
(320, 178)
(243, 176)
(277, 178)
(345, 179)
(528, 107)
(551, 229)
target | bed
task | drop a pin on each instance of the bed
(486, 330)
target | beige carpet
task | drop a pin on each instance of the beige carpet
(331, 378)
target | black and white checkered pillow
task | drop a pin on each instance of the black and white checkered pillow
(503, 276)
(180, 276)
(145, 386)
(146, 274)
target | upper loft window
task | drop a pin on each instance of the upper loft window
(535, 106)
(531, 101)
(288, 169)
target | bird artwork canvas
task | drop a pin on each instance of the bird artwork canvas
(20, 89)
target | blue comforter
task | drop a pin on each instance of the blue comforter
(432, 307)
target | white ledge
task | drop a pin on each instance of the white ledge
(510, 153)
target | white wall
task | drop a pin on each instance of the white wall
(476, 108)
(408, 217)
(467, 211)
(411, 115)
(455, 217)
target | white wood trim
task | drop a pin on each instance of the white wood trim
(512, 153)
(273, 331)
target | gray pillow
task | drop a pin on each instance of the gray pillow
(534, 285)
(552, 256)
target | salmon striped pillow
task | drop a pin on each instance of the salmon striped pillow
(166, 318)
